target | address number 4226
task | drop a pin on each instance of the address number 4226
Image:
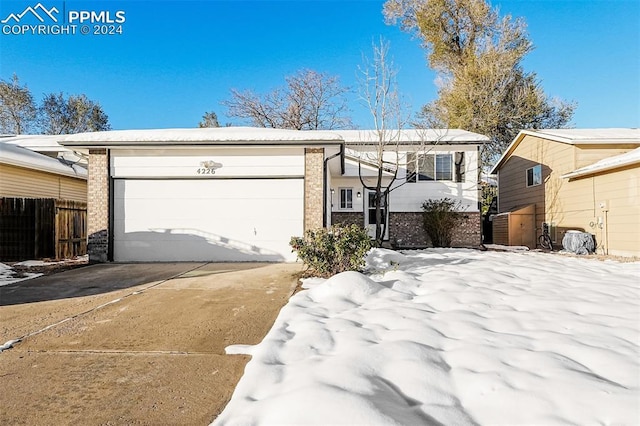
(204, 171)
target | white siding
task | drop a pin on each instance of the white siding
(408, 197)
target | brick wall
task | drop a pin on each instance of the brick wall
(406, 231)
(313, 187)
(98, 206)
(469, 234)
(347, 218)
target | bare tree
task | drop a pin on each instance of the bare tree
(379, 93)
(18, 111)
(310, 101)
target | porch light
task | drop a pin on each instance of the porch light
(359, 195)
(332, 191)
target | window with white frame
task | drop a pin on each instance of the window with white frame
(435, 167)
(534, 175)
(346, 198)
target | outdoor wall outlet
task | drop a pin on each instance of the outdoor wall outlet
(604, 205)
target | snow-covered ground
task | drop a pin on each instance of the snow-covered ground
(455, 337)
(9, 275)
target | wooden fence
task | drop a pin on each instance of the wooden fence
(42, 228)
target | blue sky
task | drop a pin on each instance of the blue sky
(177, 59)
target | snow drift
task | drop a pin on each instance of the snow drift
(452, 336)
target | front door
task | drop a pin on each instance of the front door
(370, 215)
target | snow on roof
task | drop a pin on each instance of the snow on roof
(413, 135)
(574, 137)
(258, 135)
(617, 161)
(38, 143)
(22, 157)
(214, 135)
(584, 136)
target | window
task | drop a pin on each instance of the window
(372, 208)
(534, 175)
(444, 167)
(429, 167)
(346, 198)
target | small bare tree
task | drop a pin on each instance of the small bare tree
(310, 101)
(381, 149)
(379, 93)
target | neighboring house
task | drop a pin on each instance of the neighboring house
(27, 174)
(433, 164)
(47, 145)
(240, 194)
(42, 206)
(573, 179)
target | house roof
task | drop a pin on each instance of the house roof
(45, 144)
(38, 143)
(611, 163)
(589, 136)
(412, 136)
(260, 136)
(201, 136)
(574, 137)
(22, 157)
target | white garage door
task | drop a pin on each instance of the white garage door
(206, 220)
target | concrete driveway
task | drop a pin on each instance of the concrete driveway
(133, 343)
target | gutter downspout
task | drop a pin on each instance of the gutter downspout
(324, 181)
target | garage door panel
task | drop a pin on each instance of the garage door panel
(200, 252)
(203, 188)
(209, 210)
(248, 233)
(154, 220)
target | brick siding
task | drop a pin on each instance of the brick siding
(98, 206)
(406, 231)
(347, 218)
(313, 187)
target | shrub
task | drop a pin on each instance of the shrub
(327, 252)
(440, 218)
